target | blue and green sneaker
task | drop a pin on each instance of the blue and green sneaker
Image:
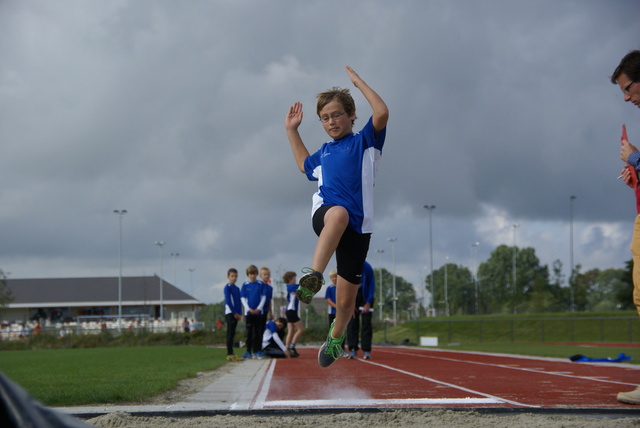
(331, 350)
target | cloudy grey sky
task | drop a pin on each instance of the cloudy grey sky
(174, 111)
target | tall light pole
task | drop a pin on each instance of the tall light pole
(393, 262)
(430, 208)
(173, 256)
(513, 288)
(120, 214)
(381, 302)
(160, 244)
(571, 199)
(191, 279)
(474, 250)
(446, 291)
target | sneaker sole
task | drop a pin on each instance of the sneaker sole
(311, 285)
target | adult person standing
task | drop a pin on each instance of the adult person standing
(363, 315)
(627, 76)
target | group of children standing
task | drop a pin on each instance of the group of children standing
(253, 300)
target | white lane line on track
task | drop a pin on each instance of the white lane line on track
(450, 385)
(524, 369)
(259, 401)
(379, 403)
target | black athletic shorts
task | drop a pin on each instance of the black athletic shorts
(292, 316)
(352, 248)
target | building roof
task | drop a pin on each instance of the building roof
(69, 292)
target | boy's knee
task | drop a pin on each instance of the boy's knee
(337, 215)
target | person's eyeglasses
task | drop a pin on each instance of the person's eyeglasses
(626, 89)
(334, 116)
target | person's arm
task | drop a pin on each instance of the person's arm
(380, 114)
(228, 306)
(263, 300)
(631, 156)
(276, 338)
(291, 124)
(629, 153)
(245, 304)
(368, 286)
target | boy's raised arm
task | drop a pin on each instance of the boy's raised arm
(380, 114)
(291, 124)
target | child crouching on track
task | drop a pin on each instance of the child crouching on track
(272, 345)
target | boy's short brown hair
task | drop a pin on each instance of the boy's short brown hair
(232, 270)
(252, 269)
(283, 321)
(339, 94)
(288, 275)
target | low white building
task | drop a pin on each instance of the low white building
(68, 299)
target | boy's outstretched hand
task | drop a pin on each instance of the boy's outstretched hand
(294, 116)
(355, 78)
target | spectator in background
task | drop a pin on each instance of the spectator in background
(295, 328)
(232, 311)
(252, 295)
(330, 296)
(363, 314)
(627, 76)
(272, 345)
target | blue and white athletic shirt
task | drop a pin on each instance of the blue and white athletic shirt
(268, 292)
(252, 296)
(232, 303)
(292, 302)
(345, 170)
(271, 333)
(331, 295)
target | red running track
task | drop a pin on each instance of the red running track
(418, 377)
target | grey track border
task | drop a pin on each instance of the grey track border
(496, 411)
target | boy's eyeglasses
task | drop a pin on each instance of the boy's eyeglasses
(626, 89)
(334, 116)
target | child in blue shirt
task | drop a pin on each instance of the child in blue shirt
(253, 298)
(272, 345)
(295, 327)
(345, 169)
(232, 311)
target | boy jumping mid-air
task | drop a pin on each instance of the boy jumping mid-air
(345, 169)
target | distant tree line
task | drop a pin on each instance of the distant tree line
(533, 288)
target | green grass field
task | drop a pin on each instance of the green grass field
(71, 377)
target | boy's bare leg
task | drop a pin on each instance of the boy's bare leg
(299, 331)
(336, 220)
(289, 335)
(346, 293)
